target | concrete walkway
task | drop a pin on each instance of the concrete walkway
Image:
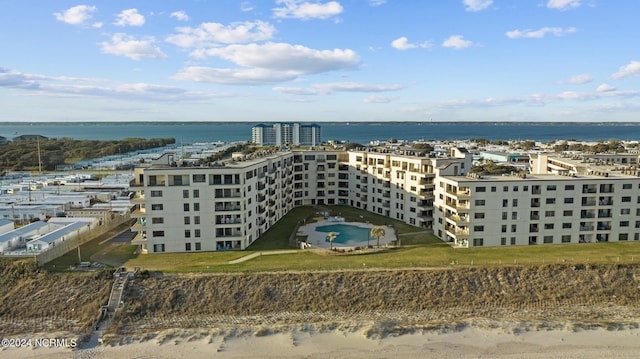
(258, 254)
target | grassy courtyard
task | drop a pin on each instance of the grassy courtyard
(418, 250)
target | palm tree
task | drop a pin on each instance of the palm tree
(331, 237)
(377, 232)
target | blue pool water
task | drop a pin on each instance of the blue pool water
(347, 233)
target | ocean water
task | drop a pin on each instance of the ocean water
(359, 132)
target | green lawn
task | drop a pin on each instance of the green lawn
(419, 250)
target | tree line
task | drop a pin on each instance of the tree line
(23, 155)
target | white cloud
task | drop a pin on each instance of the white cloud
(563, 4)
(129, 17)
(269, 63)
(44, 85)
(329, 88)
(286, 57)
(180, 15)
(377, 2)
(298, 9)
(128, 46)
(212, 33)
(476, 5)
(540, 33)
(246, 6)
(581, 79)
(252, 76)
(77, 15)
(402, 43)
(605, 88)
(631, 69)
(456, 42)
(378, 99)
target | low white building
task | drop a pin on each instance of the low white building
(57, 236)
(6, 226)
(19, 237)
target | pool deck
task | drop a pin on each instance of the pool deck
(317, 239)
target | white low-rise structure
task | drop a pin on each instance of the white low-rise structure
(19, 237)
(57, 236)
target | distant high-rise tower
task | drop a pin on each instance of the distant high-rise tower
(292, 134)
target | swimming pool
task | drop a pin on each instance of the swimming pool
(347, 234)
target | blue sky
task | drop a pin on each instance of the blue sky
(300, 60)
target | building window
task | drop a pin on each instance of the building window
(199, 178)
(550, 213)
(187, 246)
(514, 215)
(187, 233)
(187, 220)
(481, 189)
(478, 228)
(551, 187)
(547, 239)
(505, 203)
(157, 207)
(567, 213)
(185, 193)
(514, 202)
(551, 201)
(504, 216)
(196, 207)
(158, 248)
(624, 211)
(513, 241)
(198, 246)
(503, 241)
(478, 216)
(158, 234)
(505, 189)
(157, 220)
(566, 225)
(566, 238)
(568, 200)
(548, 226)
(479, 202)
(478, 242)
(156, 193)
(623, 236)
(493, 188)
(196, 193)
(626, 199)
(514, 228)
(504, 228)
(196, 233)
(569, 187)
(624, 223)
(186, 207)
(626, 186)
(196, 219)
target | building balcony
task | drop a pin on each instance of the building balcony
(228, 208)
(139, 239)
(135, 183)
(229, 234)
(458, 218)
(139, 213)
(140, 225)
(138, 198)
(586, 228)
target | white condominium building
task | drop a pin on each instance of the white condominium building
(563, 201)
(184, 208)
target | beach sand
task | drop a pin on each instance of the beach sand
(464, 343)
